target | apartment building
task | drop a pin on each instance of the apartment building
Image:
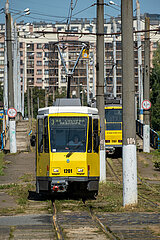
(48, 55)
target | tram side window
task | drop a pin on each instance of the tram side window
(95, 136)
(90, 136)
(46, 139)
(40, 135)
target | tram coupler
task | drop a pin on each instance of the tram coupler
(59, 186)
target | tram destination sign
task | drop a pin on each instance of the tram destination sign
(146, 104)
(68, 121)
(12, 112)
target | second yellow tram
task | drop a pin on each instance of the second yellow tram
(113, 125)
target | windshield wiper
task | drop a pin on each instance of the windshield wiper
(76, 147)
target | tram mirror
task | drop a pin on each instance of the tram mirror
(33, 140)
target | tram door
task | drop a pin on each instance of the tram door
(43, 148)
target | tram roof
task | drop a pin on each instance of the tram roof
(67, 109)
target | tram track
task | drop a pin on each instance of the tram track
(106, 229)
(116, 177)
(57, 228)
(108, 233)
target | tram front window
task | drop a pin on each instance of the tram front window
(113, 115)
(68, 134)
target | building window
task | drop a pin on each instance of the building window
(46, 46)
(1, 45)
(39, 80)
(39, 71)
(39, 46)
(46, 72)
(1, 54)
(75, 29)
(1, 70)
(46, 54)
(30, 72)
(21, 62)
(1, 62)
(39, 54)
(30, 47)
(155, 44)
(39, 63)
(21, 70)
(21, 53)
(46, 63)
(105, 29)
(21, 45)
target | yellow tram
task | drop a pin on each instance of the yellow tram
(113, 123)
(67, 150)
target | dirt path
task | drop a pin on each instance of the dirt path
(146, 168)
(18, 168)
(17, 165)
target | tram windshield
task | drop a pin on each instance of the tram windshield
(113, 115)
(68, 134)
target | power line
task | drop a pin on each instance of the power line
(84, 33)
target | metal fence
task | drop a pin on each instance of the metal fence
(154, 136)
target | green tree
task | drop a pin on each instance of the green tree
(155, 91)
(39, 93)
(1, 93)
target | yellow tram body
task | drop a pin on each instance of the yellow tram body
(67, 169)
(113, 129)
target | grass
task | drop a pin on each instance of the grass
(11, 235)
(156, 159)
(2, 164)
(7, 186)
(20, 192)
(27, 177)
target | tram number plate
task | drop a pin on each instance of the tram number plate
(67, 170)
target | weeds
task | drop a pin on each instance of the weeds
(2, 164)
(21, 193)
(27, 177)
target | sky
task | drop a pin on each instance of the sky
(58, 10)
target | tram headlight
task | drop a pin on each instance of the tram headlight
(80, 170)
(55, 171)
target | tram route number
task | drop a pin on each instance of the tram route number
(67, 170)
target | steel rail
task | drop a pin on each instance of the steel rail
(106, 229)
(117, 178)
(55, 223)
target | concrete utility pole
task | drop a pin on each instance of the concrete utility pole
(105, 64)
(94, 84)
(46, 97)
(19, 105)
(12, 123)
(28, 101)
(140, 75)
(15, 79)
(100, 85)
(129, 124)
(38, 102)
(31, 104)
(114, 60)
(146, 126)
(5, 89)
(87, 82)
(22, 104)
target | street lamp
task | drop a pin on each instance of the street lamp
(113, 3)
(25, 12)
